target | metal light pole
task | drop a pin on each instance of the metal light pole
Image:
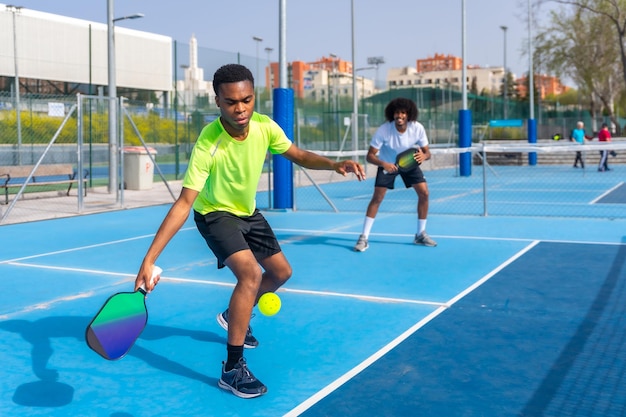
(532, 124)
(464, 66)
(506, 78)
(334, 74)
(256, 83)
(269, 72)
(355, 99)
(113, 141)
(531, 81)
(18, 115)
(282, 44)
(363, 86)
(465, 115)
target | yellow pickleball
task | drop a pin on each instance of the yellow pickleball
(269, 304)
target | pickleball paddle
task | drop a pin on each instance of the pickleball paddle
(118, 324)
(405, 159)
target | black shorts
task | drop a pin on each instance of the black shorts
(410, 177)
(226, 234)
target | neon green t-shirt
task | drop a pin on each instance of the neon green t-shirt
(226, 172)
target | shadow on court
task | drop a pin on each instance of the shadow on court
(49, 392)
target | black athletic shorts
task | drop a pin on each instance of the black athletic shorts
(410, 177)
(226, 234)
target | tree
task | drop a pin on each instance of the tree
(613, 13)
(474, 86)
(511, 88)
(526, 97)
(568, 98)
(577, 44)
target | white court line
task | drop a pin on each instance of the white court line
(164, 278)
(79, 248)
(439, 236)
(308, 403)
(64, 268)
(607, 192)
(46, 305)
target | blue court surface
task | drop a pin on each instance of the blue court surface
(507, 316)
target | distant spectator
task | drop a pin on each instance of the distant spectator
(578, 136)
(604, 136)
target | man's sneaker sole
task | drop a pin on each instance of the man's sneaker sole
(225, 386)
(361, 249)
(224, 324)
(242, 382)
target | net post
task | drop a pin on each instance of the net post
(465, 141)
(532, 138)
(283, 168)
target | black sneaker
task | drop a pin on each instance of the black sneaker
(250, 341)
(241, 382)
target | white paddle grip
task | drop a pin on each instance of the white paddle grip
(156, 271)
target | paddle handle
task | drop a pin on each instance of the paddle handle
(385, 171)
(156, 271)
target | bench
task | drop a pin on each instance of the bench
(14, 176)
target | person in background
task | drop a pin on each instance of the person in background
(578, 136)
(401, 132)
(604, 136)
(220, 186)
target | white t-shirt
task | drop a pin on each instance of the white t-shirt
(390, 142)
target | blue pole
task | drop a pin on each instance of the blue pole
(465, 141)
(532, 138)
(283, 168)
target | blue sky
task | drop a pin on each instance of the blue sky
(401, 32)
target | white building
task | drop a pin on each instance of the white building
(58, 48)
(194, 86)
(487, 80)
(323, 85)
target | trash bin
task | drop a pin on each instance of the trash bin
(138, 168)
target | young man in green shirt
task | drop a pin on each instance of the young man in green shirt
(220, 185)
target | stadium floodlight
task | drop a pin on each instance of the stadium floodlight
(376, 61)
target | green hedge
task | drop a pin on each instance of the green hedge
(39, 128)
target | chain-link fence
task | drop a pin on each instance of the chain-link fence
(507, 184)
(65, 150)
(46, 132)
